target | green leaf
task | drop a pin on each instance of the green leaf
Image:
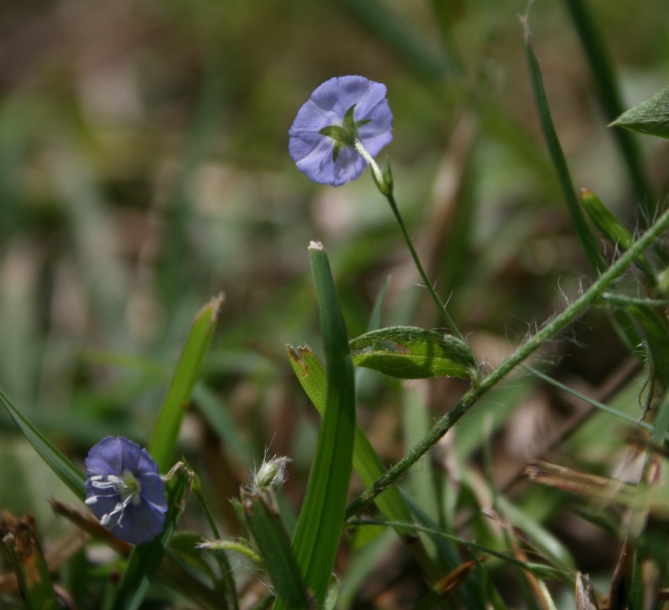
(165, 433)
(62, 466)
(650, 117)
(408, 352)
(146, 558)
(318, 529)
(264, 522)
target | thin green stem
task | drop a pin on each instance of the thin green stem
(385, 188)
(435, 297)
(522, 353)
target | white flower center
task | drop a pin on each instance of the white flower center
(127, 487)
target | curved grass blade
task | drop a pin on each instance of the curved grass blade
(264, 522)
(146, 558)
(62, 466)
(165, 433)
(540, 570)
(320, 522)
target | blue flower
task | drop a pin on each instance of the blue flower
(124, 490)
(341, 114)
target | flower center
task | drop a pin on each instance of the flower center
(126, 488)
(345, 134)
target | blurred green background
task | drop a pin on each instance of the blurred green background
(144, 169)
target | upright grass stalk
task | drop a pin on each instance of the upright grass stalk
(553, 327)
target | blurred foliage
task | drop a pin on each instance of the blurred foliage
(144, 169)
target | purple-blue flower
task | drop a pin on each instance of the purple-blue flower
(124, 490)
(339, 112)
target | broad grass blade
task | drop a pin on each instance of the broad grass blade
(264, 522)
(320, 522)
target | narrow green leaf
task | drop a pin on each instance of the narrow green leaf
(146, 558)
(650, 117)
(30, 568)
(638, 585)
(165, 433)
(318, 529)
(264, 522)
(606, 222)
(493, 598)
(587, 399)
(408, 352)
(541, 570)
(62, 466)
(586, 237)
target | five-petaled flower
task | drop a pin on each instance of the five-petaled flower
(341, 114)
(124, 490)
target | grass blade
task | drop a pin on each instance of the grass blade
(320, 522)
(264, 522)
(62, 466)
(165, 433)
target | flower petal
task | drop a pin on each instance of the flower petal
(124, 490)
(327, 106)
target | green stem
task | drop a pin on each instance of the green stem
(522, 353)
(386, 191)
(419, 266)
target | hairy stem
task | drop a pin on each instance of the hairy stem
(522, 353)
(435, 297)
